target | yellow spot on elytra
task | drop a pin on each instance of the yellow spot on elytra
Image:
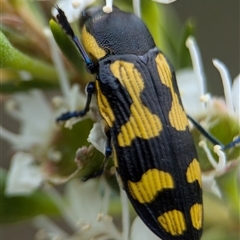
(142, 123)
(173, 222)
(194, 172)
(104, 107)
(91, 45)
(150, 184)
(177, 116)
(196, 215)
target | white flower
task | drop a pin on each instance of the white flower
(38, 128)
(140, 231)
(24, 176)
(73, 8)
(97, 137)
(197, 102)
(189, 91)
(85, 210)
(164, 1)
(236, 96)
(36, 121)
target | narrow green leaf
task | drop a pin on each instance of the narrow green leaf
(14, 59)
(67, 46)
(16, 85)
(163, 24)
(184, 59)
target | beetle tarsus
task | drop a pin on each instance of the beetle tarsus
(234, 143)
(90, 89)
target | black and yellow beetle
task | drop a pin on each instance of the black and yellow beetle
(144, 120)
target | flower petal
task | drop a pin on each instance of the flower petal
(72, 9)
(84, 200)
(188, 87)
(236, 95)
(97, 138)
(210, 185)
(164, 1)
(23, 177)
(36, 118)
(140, 231)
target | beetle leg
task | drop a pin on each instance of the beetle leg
(108, 152)
(235, 142)
(211, 138)
(90, 91)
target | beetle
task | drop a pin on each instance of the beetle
(144, 121)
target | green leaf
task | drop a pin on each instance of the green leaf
(16, 85)
(163, 24)
(184, 58)
(16, 60)
(19, 208)
(218, 223)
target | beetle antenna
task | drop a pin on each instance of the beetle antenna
(62, 20)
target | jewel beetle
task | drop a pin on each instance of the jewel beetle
(144, 121)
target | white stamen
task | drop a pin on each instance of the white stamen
(236, 96)
(76, 3)
(209, 184)
(104, 217)
(108, 7)
(164, 1)
(58, 101)
(56, 57)
(207, 100)
(86, 227)
(221, 158)
(125, 214)
(62, 180)
(226, 81)
(69, 124)
(137, 8)
(197, 65)
(208, 153)
(218, 167)
(100, 217)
